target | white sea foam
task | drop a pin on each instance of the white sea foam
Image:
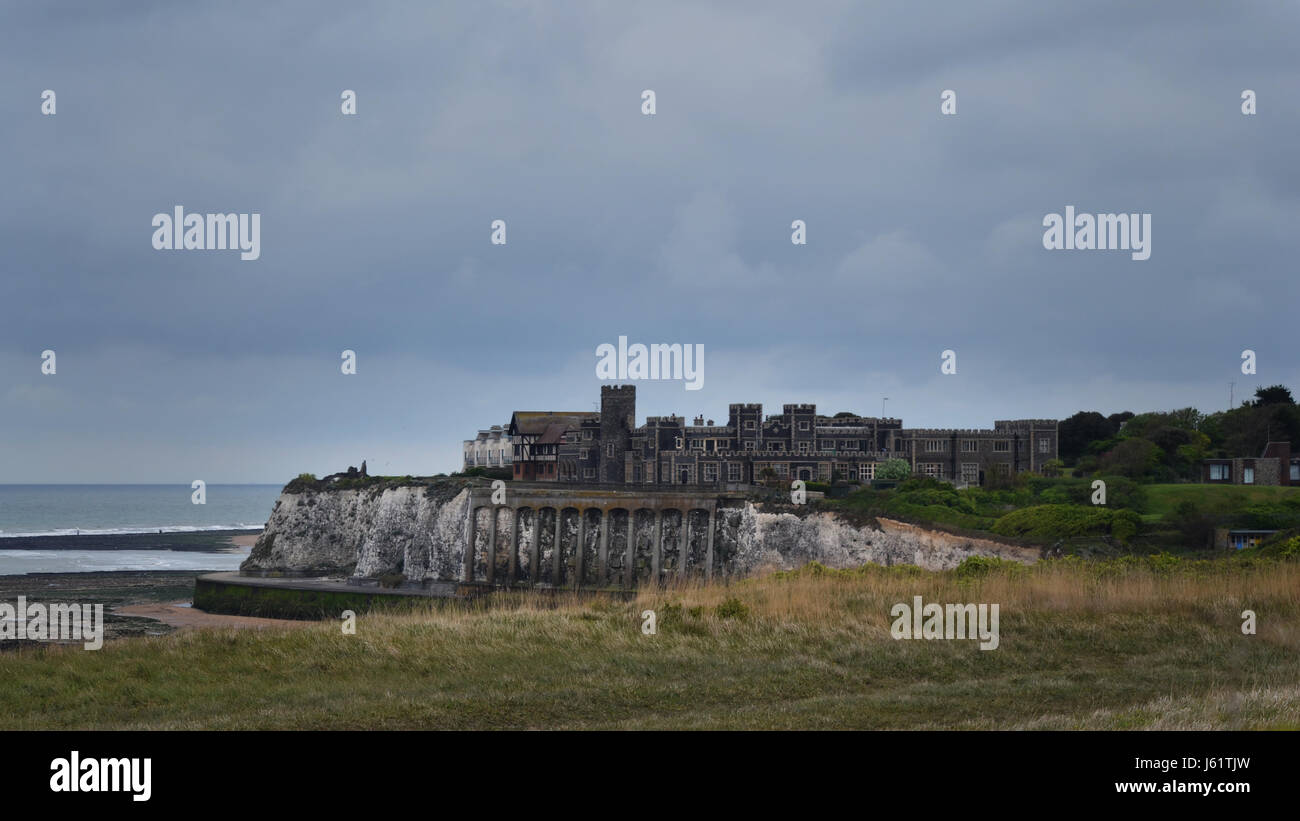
(21, 562)
(130, 530)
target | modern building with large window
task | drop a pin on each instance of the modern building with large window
(1275, 466)
(492, 448)
(608, 447)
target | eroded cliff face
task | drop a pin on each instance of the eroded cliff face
(422, 532)
(415, 530)
(785, 541)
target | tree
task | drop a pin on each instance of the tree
(1273, 395)
(893, 470)
(1117, 420)
(1194, 524)
(1076, 433)
(1053, 467)
(845, 415)
(1134, 458)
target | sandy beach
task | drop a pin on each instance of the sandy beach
(181, 616)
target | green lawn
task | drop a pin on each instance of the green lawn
(1163, 498)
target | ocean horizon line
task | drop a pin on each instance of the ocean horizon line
(185, 484)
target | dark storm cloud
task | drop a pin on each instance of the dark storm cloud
(924, 231)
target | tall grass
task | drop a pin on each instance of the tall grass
(1118, 645)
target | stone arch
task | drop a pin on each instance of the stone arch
(527, 526)
(479, 546)
(616, 552)
(564, 551)
(545, 544)
(499, 550)
(697, 545)
(642, 542)
(674, 534)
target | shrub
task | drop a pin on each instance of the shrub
(893, 469)
(733, 609)
(1124, 525)
(975, 567)
(1052, 522)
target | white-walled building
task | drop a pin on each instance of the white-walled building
(490, 449)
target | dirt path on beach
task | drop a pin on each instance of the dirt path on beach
(174, 615)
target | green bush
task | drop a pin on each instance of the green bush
(975, 567)
(1053, 522)
(1124, 525)
(732, 609)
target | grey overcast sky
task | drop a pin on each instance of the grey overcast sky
(924, 230)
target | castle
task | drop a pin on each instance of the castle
(608, 448)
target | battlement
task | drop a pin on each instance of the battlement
(618, 390)
(799, 408)
(949, 432)
(1000, 424)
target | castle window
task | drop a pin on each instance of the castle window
(1219, 473)
(677, 442)
(586, 434)
(930, 469)
(733, 472)
(749, 445)
(803, 426)
(609, 450)
(1248, 476)
(589, 473)
(970, 472)
(749, 424)
(935, 445)
(970, 446)
(803, 447)
(1002, 446)
(1044, 445)
(828, 444)
(710, 473)
(582, 453)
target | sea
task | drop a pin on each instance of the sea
(79, 528)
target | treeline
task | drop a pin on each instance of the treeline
(1170, 446)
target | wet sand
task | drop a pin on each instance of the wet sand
(179, 617)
